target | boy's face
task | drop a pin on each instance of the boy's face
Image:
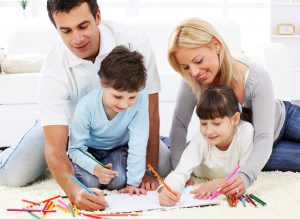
(118, 101)
(79, 31)
(219, 131)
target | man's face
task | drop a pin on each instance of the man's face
(79, 31)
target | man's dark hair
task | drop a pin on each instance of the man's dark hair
(123, 70)
(56, 6)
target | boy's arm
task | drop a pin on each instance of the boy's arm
(137, 145)
(150, 182)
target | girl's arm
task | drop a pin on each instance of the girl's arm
(192, 157)
(185, 105)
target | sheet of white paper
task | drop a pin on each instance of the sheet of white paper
(127, 203)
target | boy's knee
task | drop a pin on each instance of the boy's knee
(117, 183)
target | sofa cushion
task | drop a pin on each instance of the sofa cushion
(29, 63)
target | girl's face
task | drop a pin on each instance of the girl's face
(118, 101)
(201, 63)
(219, 131)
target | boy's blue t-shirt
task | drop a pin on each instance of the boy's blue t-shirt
(91, 128)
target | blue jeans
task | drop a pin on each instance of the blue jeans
(117, 156)
(24, 161)
(286, 149)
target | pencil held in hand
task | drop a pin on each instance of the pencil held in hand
(160, 179)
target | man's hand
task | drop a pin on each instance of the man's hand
(149, 183)
(132, 190)
(90, 202)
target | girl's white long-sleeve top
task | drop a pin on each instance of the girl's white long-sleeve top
(207, 161)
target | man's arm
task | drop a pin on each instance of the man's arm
(56, 138)
(150, 182)
(153, 141)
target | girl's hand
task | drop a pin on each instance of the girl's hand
(205, 191)
(167, 198)
(234, 187)
(132, 190)
(190, 182)
(105, 174)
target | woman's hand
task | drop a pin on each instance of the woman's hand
(205, 191)
(132, 190)
(105, 174)
(167, 198)
(234, 187)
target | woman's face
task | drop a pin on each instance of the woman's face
(201, 63)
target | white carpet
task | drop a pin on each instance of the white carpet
(280, 190)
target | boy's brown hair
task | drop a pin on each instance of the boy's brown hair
(123, 70)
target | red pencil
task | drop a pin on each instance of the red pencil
(29, 210)
(115, 214)
(160, 179)
(31, 202)
(251, 201)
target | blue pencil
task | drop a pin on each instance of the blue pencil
(82, 185)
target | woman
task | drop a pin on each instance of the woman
(200, 55)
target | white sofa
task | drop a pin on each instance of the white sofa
(18, 92)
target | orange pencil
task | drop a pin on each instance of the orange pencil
(160, 179)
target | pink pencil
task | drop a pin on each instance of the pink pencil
(216, 193)
(29, 210)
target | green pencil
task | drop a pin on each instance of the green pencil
(101, 164)
(34, 215)
(258, 200)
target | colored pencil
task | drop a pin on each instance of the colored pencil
(30, 202)
(92, 216)
(61, 207)
(72, 210)
(116, 214)
(217, 192)
(98, 162)
(34, 215)
(243, 201)
(255, 198)
(64, 204)
(29, 210)
(47, 200)
(82, 185)
(251, 201)
(160, 179)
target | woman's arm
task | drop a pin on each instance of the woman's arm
(263, 111)
(185, 105)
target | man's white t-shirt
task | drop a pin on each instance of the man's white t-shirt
(66, 78)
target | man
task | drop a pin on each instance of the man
(69, 73)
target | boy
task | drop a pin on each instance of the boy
(111, 124)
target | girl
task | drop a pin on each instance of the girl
(224, 142)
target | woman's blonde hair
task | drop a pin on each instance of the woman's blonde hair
(193, 33)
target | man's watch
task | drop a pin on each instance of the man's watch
(149, 172)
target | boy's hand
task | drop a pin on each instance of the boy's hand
(167, 198)
(132, 190)
(105, 174)
(205, 191)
